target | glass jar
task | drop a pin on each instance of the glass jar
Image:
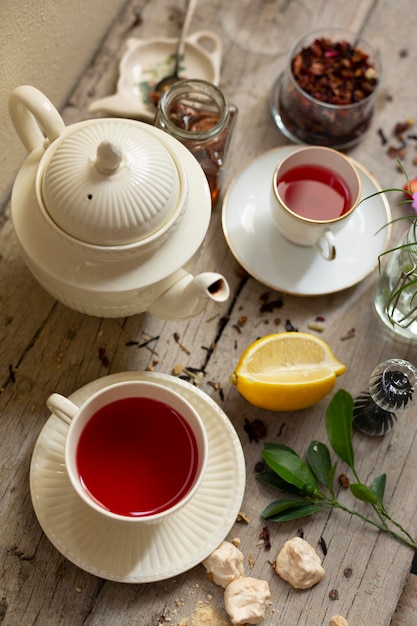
(313, 119)
(396, 295)
(197, 114)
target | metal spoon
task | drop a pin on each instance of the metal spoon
(169, 80)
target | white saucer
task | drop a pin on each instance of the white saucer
(125, 552)
(266, 255)
(148, 60)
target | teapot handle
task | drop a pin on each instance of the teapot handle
(31, 113)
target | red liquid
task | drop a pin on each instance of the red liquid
(314, 192)
(137, 456)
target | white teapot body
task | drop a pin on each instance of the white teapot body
(149, 270)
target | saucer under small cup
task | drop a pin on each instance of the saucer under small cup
(267, 256)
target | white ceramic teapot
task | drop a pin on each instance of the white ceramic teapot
(110, 214)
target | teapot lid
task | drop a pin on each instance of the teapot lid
(110, 182)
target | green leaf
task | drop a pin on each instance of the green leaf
(285, 510)
(278, 506)
(288, 465)
(363, 493)
(330, 478)
(269, 445)
(270, 478)
(378, 487)
(318, 457)
(339, 425)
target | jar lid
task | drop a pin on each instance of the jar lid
(110, 182)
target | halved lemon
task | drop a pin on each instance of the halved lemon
(286, 371)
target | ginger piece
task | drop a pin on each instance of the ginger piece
(338, 620)
(224, 564)
(299, 564)
(245, 600)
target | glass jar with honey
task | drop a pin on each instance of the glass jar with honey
(197, 113)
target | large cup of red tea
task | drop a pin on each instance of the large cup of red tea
(315, 190)
(135, 451)
(326, 94)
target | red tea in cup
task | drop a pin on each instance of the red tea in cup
(137, 456)
(314, 192)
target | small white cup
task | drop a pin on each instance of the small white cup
(165, 452)
(306, 231)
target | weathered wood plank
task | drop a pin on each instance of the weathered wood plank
(46, 347)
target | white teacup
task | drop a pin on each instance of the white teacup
(314, 192)
(135, 451)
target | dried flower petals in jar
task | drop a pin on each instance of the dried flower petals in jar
(327, 91)
(334, 72)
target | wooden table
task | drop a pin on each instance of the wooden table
(46, 347)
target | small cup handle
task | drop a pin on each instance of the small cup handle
(326, 247)
(62, 407)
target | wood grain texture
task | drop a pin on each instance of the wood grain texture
(46, 347)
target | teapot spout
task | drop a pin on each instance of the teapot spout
(190, 295)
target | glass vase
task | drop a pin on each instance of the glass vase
(396, 295)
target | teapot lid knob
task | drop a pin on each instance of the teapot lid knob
(109, 157)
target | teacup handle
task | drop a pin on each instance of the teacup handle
(326, 247)
(62, 407)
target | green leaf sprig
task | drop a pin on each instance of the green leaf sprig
(407, 279)
(312, 481)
